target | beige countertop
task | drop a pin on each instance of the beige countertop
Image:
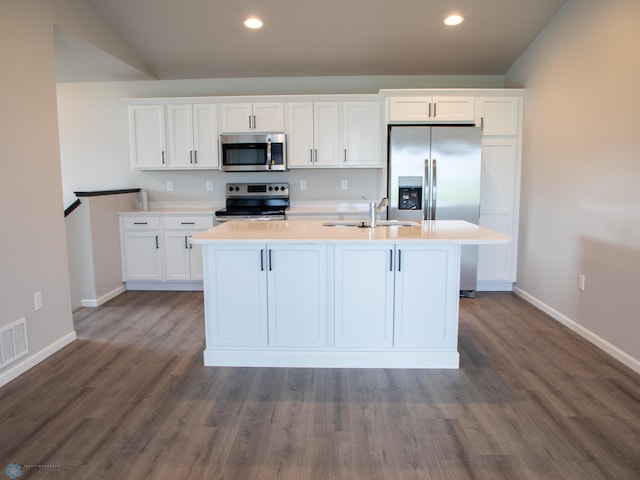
(432, 231)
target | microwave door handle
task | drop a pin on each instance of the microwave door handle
(269, 154)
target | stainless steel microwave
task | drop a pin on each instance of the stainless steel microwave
(259, 152)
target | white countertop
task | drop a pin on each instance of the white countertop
(432, 231)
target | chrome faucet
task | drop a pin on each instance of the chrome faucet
(374, 210)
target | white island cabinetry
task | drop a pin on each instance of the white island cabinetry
(302, 294)
(276, 295)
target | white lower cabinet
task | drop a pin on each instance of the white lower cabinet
(396, 296)
(157, 249)
(364, 282)
(297, 295)
(236, 296)
(267, 295)
(426, 289)
(183, 260)
(141, 255)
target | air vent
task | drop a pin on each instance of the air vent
(13, 342)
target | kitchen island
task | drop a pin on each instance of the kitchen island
(304, 294)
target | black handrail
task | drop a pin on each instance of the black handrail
(72, 207)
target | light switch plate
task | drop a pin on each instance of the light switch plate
(169, 185)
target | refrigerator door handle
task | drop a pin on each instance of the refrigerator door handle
(434, 191)
(426, 207)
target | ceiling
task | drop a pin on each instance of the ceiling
(206, 38)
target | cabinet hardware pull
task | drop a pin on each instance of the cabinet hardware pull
(391, 259)
(261, 260)
(316, 154)
(399, 260)
(195, 156)
(270, 264)
(345, 155)
(311, 155)
(163, 157)
(190, 156)
(140, 223)
(482, 123)
(186, 241)
(157, 246)
(187, 223)
(435, 105)
(249, 122)
(429, 110)
(254, 122)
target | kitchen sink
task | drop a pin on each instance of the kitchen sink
(379, 223)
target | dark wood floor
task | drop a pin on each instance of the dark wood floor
(130, 399)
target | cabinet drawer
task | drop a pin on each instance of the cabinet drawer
(141, 223)
(189, 222)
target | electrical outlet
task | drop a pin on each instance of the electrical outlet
(581, 280)
(209, 186)
(169, 185)
(37, 300)
(303, 184)
(344, 184)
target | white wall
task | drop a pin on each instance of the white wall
(32, 243)
(95, 143)
(580, 207)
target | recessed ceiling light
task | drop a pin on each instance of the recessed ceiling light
(452, 20)
(253, 22)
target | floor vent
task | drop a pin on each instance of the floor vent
(13, 342)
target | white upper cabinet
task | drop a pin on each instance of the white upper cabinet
(251, 117)
(313, 134)
(192, 133)
(361, 132)
(499, 115)
(147, 137)
(432, 109)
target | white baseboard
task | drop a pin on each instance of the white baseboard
(225, 357)
(494, 286)
(32, 360)
(96, 302)
(182, 286)
(615, 352)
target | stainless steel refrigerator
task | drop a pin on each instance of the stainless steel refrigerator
(434, 174)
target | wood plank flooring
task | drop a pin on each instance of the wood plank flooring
(130, 399)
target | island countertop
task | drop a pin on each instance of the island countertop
(431, 231)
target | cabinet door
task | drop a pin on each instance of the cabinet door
(432, 109)
(364, 295)
(297, 295)
(326, 133)
(147, 136)
(499, 207)
(177, 264)
(427, 285)
(196, 260)
(205, 136)
(236, 117)
(299, 128)
(409, 109)
(236, 295)
(142, 255)
(268, 117)
(180, 136)
(499, 115)
(361, 134)
(453, 109)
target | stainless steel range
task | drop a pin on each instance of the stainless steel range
(255, 201)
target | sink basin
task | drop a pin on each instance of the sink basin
(380, 223)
